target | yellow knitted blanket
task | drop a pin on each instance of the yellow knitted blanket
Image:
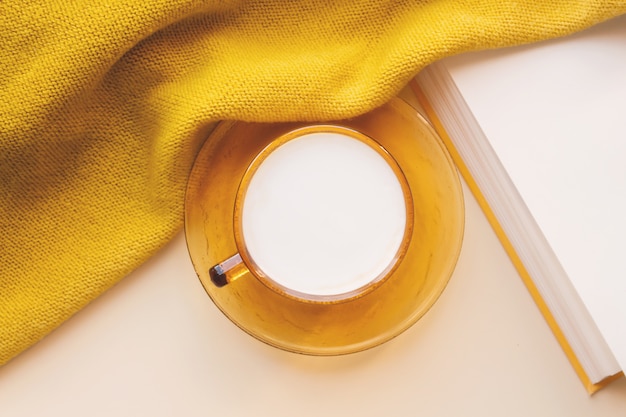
(103, 105)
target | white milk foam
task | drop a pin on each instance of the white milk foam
(324, 214)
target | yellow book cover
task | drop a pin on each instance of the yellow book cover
(520, 178)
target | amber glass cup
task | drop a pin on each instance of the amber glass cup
(325, 320)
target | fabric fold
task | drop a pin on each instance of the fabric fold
(104, 105)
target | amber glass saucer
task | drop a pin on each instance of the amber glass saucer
(341, 323)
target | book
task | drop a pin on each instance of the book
(539, 134)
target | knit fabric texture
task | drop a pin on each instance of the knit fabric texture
(104, 104)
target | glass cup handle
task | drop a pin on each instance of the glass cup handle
(227, 271)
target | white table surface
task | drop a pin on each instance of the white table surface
(155, 345)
